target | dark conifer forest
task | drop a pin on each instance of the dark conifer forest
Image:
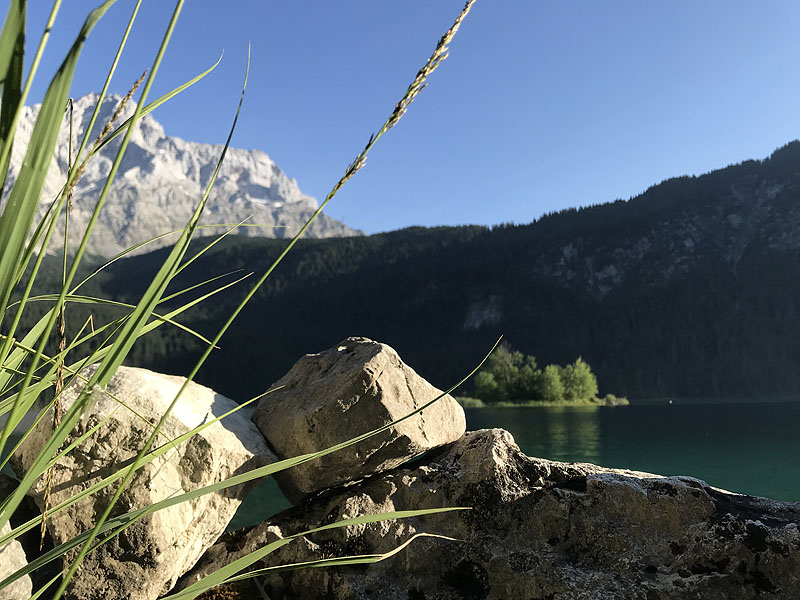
(690, 289)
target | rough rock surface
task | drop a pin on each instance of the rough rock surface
(27, 545)
(160, 181)
(12, 558)
(352, 388)
(537, 529)
(146, 559)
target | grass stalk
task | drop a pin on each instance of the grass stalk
(27, 371)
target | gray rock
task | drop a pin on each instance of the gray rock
(31, 544)
(145, 560)
(537, 529)
(12, 558)
(352, 388)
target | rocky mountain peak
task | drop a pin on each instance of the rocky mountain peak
(161, 179)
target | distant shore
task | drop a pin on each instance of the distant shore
(609, 400)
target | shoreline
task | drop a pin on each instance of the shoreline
(468, 402)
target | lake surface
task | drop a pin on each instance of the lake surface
(751, 448)
(746, 447)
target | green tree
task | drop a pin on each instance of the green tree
(499, 379)
(527, 384)
(487, 389)
(550, 388)
(511, 376)
(580, 384)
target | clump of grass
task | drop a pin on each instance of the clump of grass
(28, 375)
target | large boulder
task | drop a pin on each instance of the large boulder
(537, 529)
(352, 388)
(145, 560)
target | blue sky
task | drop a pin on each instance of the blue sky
(542, 105)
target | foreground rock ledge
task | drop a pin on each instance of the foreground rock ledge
(146, 559)
(538, 529)
(350, 389)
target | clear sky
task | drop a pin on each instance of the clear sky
(542, 105)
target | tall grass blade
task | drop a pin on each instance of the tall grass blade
(20, 209)
(139, 317)
(228, 571)
(5, 148)
(120, 347)
(14, 360)
(147, 109)
(341, 561)
(12, 59)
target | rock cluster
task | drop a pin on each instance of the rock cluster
(356, 386)
(537, 529)
(534, 529)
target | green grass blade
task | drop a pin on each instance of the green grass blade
(214, 242)
(135, 247)
(119, 524)
(122, 345)
(47, 223)
(12, 59)
(23, 200)
(7, 404)
(24, 350)
(5, 148)
(77, 299)
(95, 113)
(155, 104)
(39, 232)
(228, 571)
(139, 317)
(14, 360)
(362, 559)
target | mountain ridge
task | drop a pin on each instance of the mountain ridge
(689, 289)
(160, 180)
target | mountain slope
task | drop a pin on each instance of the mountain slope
(162, 178)
(690, 289)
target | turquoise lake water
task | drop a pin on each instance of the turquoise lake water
(746, 447)
(751, 448)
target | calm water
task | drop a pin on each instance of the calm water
(743, 447)
(751, 448)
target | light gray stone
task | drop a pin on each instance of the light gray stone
(145, 560)
(352, 388)
(31, 542)
(12, 558)
(537, 529)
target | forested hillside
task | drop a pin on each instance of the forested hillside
(690, 289)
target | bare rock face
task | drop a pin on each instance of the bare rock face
(160, 181)
(145, 560)
(537, 529)
(350, 389)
